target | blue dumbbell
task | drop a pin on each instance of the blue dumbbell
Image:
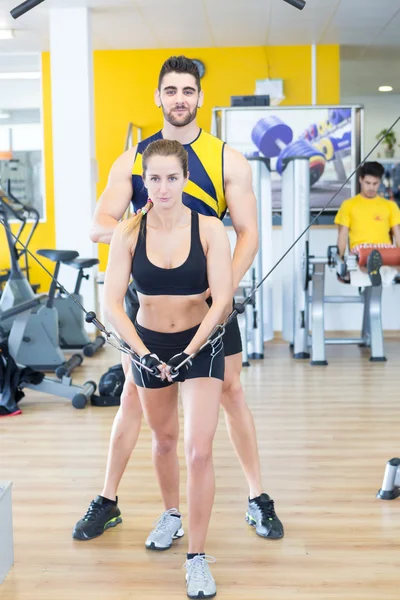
(274, 139)
(271, 136)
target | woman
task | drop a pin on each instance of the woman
(174, 256)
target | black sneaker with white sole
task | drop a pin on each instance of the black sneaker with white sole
(101, 514)
(261, 515)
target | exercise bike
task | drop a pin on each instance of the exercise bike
(17, 288)
(72, 332)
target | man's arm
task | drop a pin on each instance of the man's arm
(343, 236)
(242, 206)
(115, 199)
(396, 235)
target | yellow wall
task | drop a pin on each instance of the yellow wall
(328, 75)
(124, 83)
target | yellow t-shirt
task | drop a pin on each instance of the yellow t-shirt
(369, 221)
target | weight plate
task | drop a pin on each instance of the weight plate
(267, 131)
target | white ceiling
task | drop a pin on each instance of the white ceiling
(367, 30)
(194, 23)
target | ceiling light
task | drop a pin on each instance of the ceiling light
(4, 115)
(385, 88)
(21, 75)
(6, 34)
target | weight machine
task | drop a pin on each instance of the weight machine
(256, 323)
(303, 309)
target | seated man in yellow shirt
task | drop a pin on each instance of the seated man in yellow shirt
(368, 220)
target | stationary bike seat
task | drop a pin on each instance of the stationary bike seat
(58, 255)
(82, 263)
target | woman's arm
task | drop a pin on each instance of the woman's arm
(115, 286)
(220, 279)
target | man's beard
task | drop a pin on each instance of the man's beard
(179, 122)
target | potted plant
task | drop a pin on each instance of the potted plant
(389, 141)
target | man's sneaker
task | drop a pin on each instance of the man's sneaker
(168, 528)
(199, 581)
(261, 515)
(374, 263)
(100, 515)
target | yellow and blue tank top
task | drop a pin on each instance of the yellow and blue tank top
(204, 191)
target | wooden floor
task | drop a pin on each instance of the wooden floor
(325, 434)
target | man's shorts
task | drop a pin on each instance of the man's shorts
(231, 338)
(208, 363)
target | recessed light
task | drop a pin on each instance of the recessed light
(21, 75)
(6, 34)
(385, 88)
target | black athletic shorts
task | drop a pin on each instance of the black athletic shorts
(208, 363)
(232, 338)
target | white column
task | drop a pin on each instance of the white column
(313, 74)
(73, 139)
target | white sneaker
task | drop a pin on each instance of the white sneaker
(199, 581)
(168, 529)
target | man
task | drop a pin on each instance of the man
(220, 179)
(368, 220)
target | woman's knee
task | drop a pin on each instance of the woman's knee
(130, 401)
(232, 393)
(198, 454)
(164, 443)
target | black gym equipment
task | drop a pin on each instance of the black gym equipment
(23, 8)
(17, 286)
(33, 379)
(111, 385)
(300, 4)
(30, 216)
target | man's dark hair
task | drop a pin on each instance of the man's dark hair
(373, 168)
(179, 64)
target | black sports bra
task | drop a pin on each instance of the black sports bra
(185, 280)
